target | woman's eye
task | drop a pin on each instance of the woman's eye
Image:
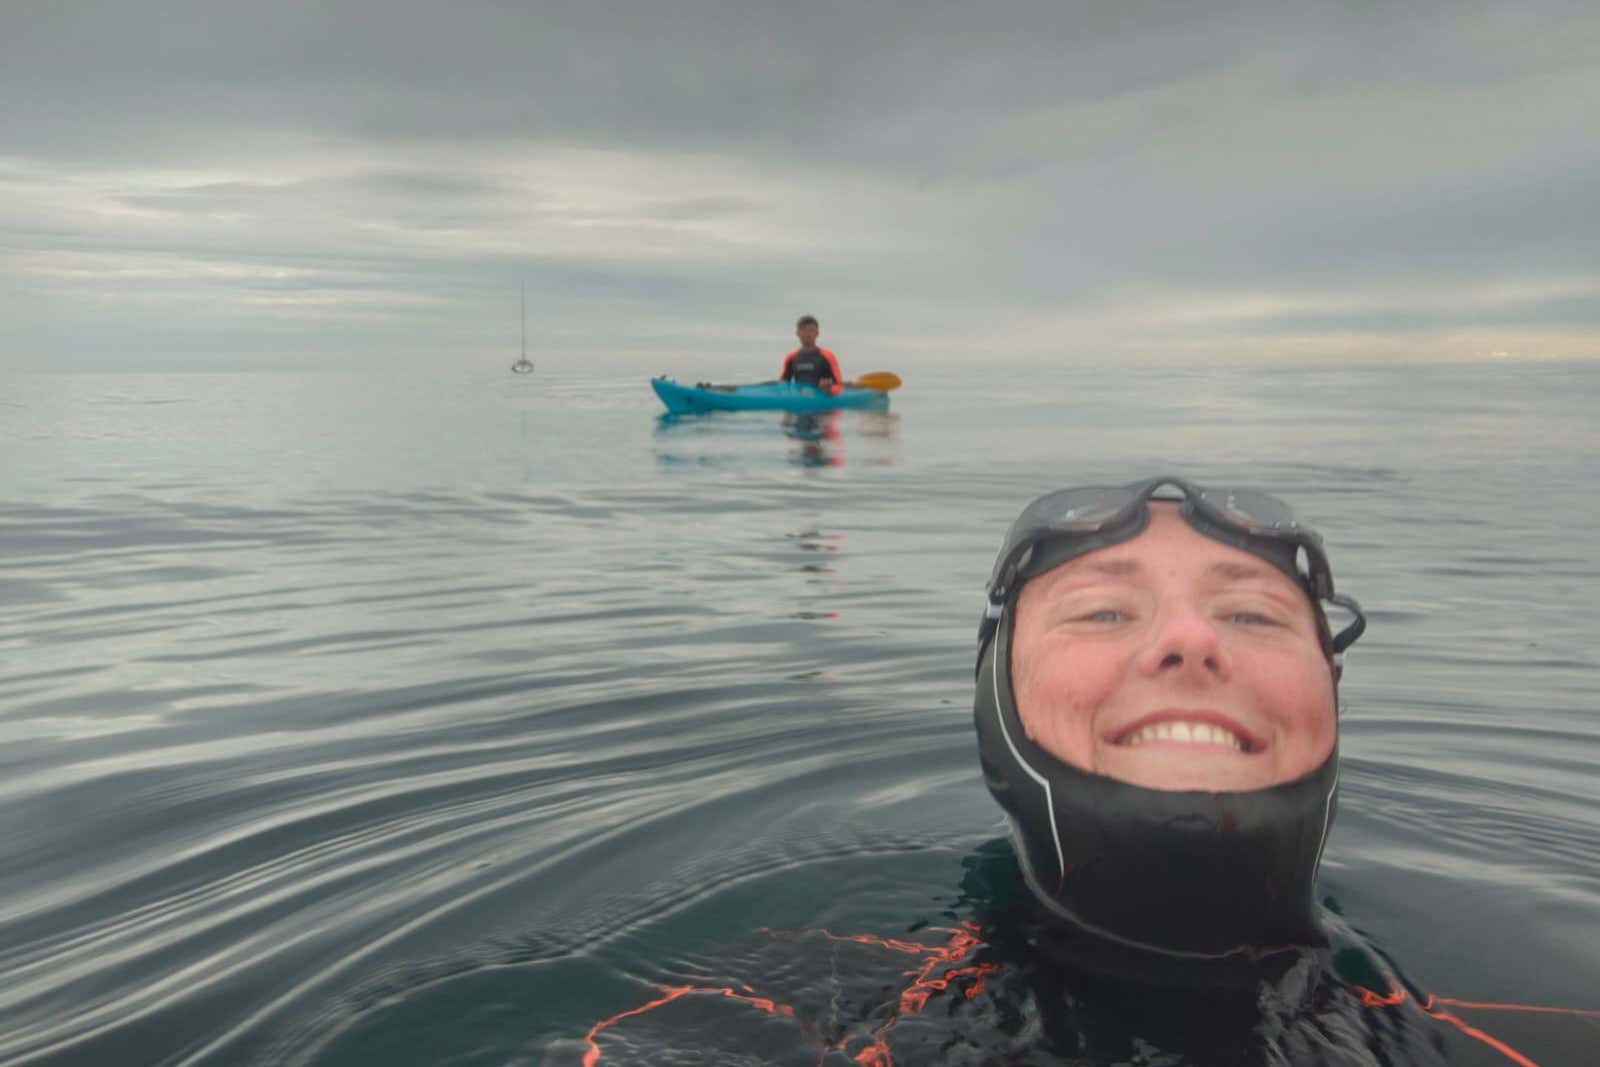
(1251, 618)
(1101, 615)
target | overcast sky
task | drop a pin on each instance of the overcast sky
(265, 184)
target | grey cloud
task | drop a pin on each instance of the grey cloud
(702, 207)
(831, 79)
(419, 202)
(1011, 160)
(1563, 313)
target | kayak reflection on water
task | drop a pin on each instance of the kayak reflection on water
(817, 434)
(815, 439)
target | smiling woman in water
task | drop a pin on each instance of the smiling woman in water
(1157, 713)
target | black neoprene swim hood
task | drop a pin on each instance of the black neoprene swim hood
(1189, 874)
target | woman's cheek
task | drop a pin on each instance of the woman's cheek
(1052, 697)
(1310, 704)
(1036, 690)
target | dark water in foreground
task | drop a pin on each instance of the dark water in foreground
(352, 721)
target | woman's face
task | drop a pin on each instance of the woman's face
(1173, 661)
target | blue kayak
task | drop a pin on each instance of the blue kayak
(764, 396)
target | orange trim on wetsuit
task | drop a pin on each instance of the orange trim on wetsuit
(787, 374)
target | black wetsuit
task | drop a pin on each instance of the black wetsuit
(809, 367)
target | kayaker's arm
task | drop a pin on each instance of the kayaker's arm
(831, 379)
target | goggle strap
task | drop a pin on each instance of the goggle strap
(1358, 626)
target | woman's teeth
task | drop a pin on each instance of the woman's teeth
(1195, 733)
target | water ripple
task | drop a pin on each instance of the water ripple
(311, 761)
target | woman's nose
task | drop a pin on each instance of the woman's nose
(1184, 640)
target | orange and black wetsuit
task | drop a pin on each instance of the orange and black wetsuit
(810, 367)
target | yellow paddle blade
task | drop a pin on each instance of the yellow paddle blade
(881, 380)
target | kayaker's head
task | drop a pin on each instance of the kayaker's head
(1161, 650)
(806, 329)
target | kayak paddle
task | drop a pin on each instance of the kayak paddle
(881, 380)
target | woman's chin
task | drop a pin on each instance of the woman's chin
(1179, 766)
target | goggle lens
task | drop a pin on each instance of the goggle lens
(1076, 509)
(1250, 508)
(1089, 507)
(1090, 510)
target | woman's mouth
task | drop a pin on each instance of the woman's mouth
(1186, 731)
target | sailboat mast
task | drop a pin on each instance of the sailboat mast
(524, 322)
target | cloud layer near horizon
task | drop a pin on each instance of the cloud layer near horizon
(203, 185)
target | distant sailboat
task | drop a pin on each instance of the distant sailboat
(522, 366)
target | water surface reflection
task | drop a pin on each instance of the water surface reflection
(747, 440)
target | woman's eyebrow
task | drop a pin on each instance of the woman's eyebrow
(1112, 568)
(1238, 571)
(1087, 572)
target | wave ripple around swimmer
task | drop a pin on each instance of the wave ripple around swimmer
(296, 769)
(325, 728)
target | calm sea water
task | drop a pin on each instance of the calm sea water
(435, 719)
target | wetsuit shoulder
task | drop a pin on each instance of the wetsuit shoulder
(833, 363)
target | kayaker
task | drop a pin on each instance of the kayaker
(1157, 713)
(809, 364)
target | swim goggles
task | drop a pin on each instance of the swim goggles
(1069, 522)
